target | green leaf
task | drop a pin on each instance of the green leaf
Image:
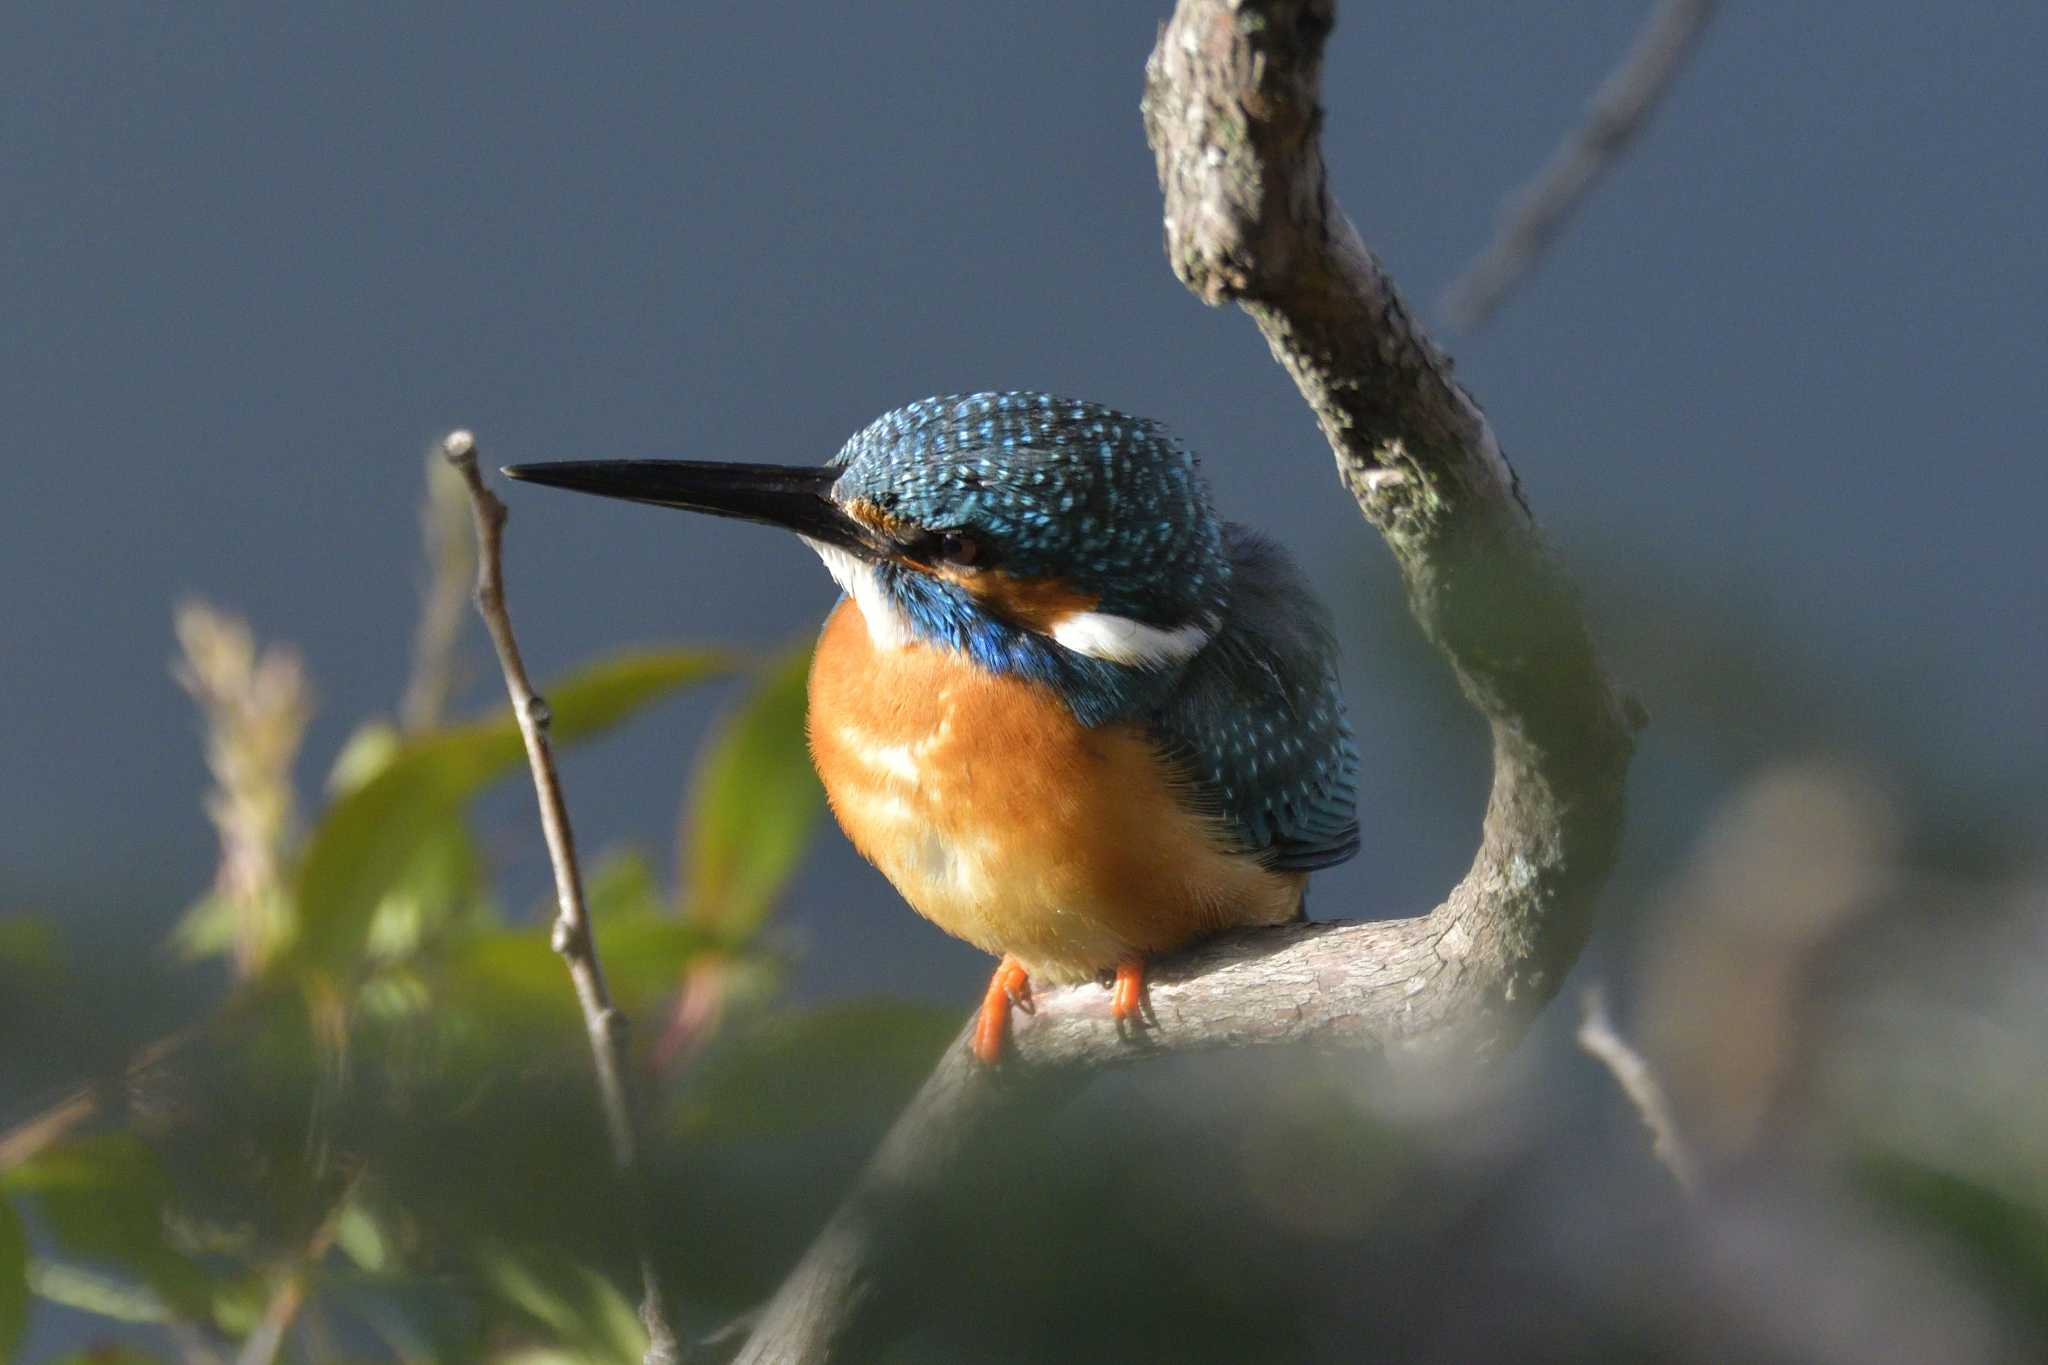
(34, 975)
(621, 885)
(361, 1238)
(29, 944)
(753, 804)
(207, 928)
(103, 1296)
(215, 924)
(369, 838)
(242, 1298)
(855, 1062)
(2002, 1232)
(644, 957)
(511, 984)
(363, 755)
(444, 878)
(586, 1314)
(105, 1197)
(507, 986)
(592, 701)
(13, 1281)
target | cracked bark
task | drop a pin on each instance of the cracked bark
(1232, 112)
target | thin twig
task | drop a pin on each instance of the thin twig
(262, 1345)
(33, 1136)
(1639, 1082)
(571, 936)
(1533, 215)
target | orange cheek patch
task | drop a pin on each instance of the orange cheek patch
(1035, 603)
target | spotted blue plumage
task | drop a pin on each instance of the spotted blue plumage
(1112, 506)
(1256, 722)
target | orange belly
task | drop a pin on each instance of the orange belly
(1005, 822)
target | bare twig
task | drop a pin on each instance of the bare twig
(261, 1346)
(30, 1138)
(571, 936)
(1232, 109)
(1598, 1037)
(1532, 216)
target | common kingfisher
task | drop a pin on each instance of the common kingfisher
(1076, 718)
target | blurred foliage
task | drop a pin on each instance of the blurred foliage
(256, 707)
(383, 1140)
(393, 825)
(377, 1136)
(752, 807)
(13, 1281)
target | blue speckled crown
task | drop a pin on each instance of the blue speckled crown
(1066, 490)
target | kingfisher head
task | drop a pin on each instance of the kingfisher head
(1039, 536)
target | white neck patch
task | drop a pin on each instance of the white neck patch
(887, 626)
(1120, 640)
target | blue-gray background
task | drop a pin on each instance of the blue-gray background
(1784, 375)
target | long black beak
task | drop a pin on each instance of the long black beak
(796, 498)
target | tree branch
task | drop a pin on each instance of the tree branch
(1598, 1037)
(1532, 217)
(1232, 113)
(571, 936)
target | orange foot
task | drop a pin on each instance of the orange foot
(1011, 985)
(1127, 1003)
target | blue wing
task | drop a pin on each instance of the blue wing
(1257, 724)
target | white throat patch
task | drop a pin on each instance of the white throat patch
(887, 627)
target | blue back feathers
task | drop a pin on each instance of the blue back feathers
(1256, 721)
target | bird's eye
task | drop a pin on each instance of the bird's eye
(956, 547)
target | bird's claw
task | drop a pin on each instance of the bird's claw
(1009, 988)
(1129, 1005)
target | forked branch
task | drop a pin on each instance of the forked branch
(1232, 110)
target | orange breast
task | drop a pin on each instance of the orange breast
(1005, 822)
